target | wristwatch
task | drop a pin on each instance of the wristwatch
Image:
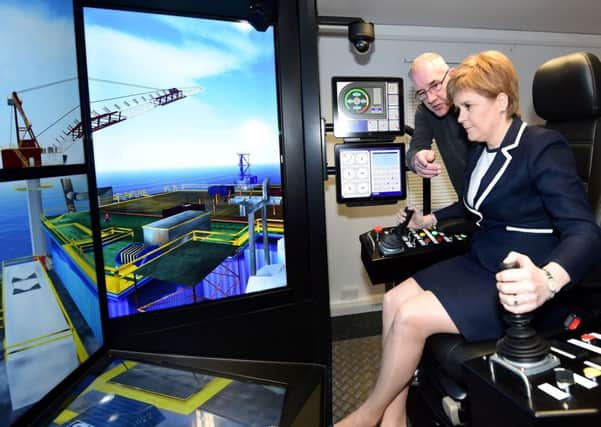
(552, 284)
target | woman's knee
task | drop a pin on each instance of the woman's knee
(407, 321)
(421, 317)
(400, 294)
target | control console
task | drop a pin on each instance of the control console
(566, 394)
(411, 239)
(392, 254)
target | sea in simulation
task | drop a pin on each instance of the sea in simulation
(14, 221)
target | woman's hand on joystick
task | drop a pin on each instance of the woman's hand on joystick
(417, 221)
(522, 287)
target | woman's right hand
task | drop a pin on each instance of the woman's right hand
(418, 220)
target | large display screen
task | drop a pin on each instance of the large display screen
(187, 155)
(368, 107)
(51, 317)
(370, 173)
(38, 85)
(130, 393)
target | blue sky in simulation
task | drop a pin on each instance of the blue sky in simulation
(235, 110)
(44, 53)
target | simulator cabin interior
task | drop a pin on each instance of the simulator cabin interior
(205, 204)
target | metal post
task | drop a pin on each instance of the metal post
(265, 233)
(251, 242)
(34, 210)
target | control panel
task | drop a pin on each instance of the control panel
(392, 254)
(411, 239)
(570, 391)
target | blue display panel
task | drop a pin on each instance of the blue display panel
(50, 309)
(39, 80)
(51, 314)
(187, 154)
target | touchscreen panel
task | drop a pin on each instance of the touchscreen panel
(370, 173)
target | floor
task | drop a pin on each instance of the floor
(356, 351)
(355, 364)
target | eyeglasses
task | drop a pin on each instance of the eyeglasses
(422, 95)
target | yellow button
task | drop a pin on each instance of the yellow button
(591, 372)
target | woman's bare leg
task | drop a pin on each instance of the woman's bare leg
(415, 319)
(393, 299)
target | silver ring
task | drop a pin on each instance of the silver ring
(515, 300)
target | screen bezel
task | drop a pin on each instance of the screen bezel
(303, 304)
(338, 132)
(340, 148)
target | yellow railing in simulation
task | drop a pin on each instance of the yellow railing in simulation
(71, 247)
(273, 225)
(118, 279)
(82, 354)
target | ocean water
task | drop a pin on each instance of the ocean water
(15, 240)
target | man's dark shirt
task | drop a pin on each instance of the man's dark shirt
(451, 140)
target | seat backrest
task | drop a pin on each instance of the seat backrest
(566, 93)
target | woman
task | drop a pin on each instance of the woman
(529, 207)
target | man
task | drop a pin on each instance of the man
(435, 118)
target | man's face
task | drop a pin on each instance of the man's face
(430, 84)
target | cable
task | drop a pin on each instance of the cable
(122, 83)
(46, 85)
(59, 119)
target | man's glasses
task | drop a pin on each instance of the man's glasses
(422, 95)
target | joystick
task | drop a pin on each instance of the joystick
(521, 350)
(391, 242)
(521, 344)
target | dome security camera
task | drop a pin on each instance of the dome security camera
(361, 34)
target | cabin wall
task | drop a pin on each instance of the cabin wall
(392, 52)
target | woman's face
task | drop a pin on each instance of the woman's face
(480, 116)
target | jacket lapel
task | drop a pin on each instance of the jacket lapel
(500, 163)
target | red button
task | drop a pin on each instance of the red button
(587, 337)
(378, 229)
(574, 324)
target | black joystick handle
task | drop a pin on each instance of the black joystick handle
(401, 229)
(391, 243)
(521, 343)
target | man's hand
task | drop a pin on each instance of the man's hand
(424, 164)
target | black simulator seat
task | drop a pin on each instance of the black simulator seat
(567, 94)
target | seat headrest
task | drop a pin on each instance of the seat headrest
(568, 87)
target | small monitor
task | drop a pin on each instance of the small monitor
(368, 107)
(369, 174)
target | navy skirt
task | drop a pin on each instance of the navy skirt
(468, 293)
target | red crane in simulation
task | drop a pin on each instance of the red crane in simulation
(28, 152)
